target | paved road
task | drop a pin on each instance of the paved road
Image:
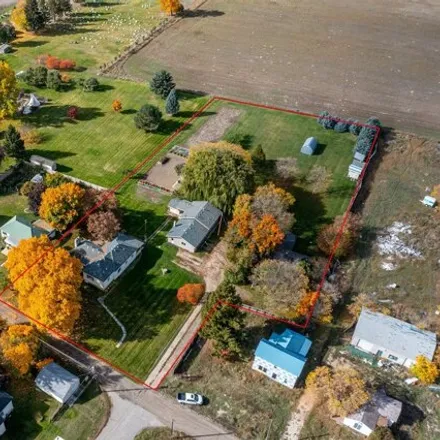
(161, 408)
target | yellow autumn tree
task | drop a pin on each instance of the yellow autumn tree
(8, 91)
(343, 389)
(49, 290)
(61, 206)
(425, 370)
(19, 344)
(171, 7)
(18, 16)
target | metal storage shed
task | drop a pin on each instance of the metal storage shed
(309, 146)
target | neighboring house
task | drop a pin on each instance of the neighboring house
(6, 409)
(282, 357)
(46, 164)
(196, 222)
(18, 228)
(355, 169)
(57, 382)
(381, 410)
(392, 339)
(429, 201)
(104, 264)
(5, 48)
(309, 147)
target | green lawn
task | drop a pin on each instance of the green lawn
(281, 135)
(93, 35)
(145, 302)
(33, 409)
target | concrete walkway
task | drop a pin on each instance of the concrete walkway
(126, 420)
(172, 353)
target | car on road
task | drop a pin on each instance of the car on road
(190, 398)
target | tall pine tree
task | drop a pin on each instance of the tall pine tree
(14, 144)
(35, 16)
(225, 325)
(162, 83)
(172, 105)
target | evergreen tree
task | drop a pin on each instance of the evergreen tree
(7, 33)
(258, 155)
(225, 325)
(36, 18)
(54, 80)
(162, 83)
(14, 144)
(148, 118)
(172, 105)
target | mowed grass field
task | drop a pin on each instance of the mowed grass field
(93, 34)
(145, 302)
(282, 135)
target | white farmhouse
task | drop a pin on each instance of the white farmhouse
(196, 222)
(389, 338)
(104, 264)
(282, 357)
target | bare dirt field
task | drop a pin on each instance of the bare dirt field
(353, 58)
(398, 254)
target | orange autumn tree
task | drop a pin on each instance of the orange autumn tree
(61, 206)
(171, 7)
(19, 344)
(190, 293)
(117, 105)
(48, 291)
(266, 235)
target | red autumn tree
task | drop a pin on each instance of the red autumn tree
(72, 112)
(328, 234)
(190, 293)
(103, 225)
(52, 62)
(67, 65)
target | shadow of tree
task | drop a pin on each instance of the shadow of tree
(202, 13)
(29, 43)
(56, 115)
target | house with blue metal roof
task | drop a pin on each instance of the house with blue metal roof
(196, 222)
(282, 357)
(104, 264)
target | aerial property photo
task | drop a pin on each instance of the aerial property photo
(219, 219)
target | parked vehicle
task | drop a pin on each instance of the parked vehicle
(190, 398)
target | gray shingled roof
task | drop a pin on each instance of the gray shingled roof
(397, 336)
(195, 222)
(5, 399)
(380, 405)
(101, 261)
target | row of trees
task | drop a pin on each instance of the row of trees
(35, 15)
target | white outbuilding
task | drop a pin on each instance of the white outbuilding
(57, 382)
(429, 201)
(309, 147)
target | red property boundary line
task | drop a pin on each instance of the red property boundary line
(135, 170)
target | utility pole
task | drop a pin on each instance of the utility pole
(172, 428)
(145, 230)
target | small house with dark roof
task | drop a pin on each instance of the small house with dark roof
(389, 338)
(6, 408)
(381, 410)
(282, 357)
(57, 382)
(196, 222)
(104, 264)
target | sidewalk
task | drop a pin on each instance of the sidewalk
(176, 347)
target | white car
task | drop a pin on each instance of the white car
(190, 398)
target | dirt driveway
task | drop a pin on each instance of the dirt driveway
(357, 58)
